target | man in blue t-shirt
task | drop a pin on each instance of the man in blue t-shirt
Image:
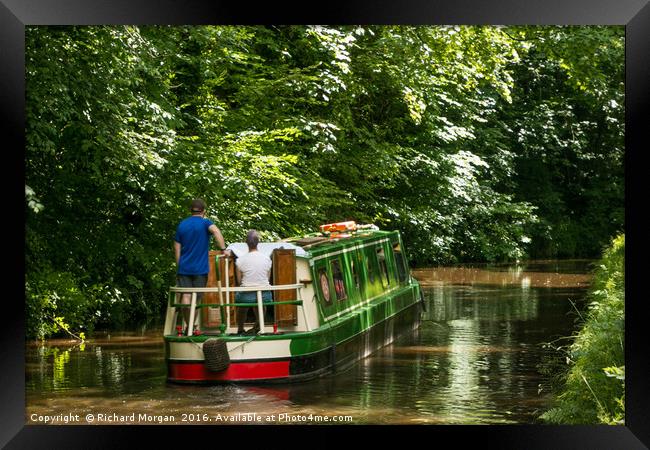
(191, 246)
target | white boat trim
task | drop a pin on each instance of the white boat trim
(193, 351)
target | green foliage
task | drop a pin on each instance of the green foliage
(57, 303)
(478, 143)
(594, 388)
(567, 120)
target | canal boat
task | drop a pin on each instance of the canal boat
(338, 295)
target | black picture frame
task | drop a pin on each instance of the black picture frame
(634, 14)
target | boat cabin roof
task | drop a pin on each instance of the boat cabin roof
(316, 244)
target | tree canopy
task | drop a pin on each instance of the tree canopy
(477, 143)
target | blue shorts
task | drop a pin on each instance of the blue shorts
(251, 297)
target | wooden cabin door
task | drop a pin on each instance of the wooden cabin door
(284, 272)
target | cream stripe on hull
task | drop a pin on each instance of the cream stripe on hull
(238, 350)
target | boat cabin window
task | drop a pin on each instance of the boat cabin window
(323, 282)
(354, 268)
(383, 268)
(339, 285)
(370, 270)
(400, 262)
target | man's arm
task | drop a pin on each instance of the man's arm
(177, 251)
(217, 235)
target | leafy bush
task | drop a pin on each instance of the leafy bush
(57, 305)
(594, 389)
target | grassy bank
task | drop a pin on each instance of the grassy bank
(593, 388)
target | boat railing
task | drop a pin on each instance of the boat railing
(224, 292)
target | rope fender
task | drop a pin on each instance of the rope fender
(216, 355)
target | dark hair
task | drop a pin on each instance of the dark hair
(197, 205)
(252, 239)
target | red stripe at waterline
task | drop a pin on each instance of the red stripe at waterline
(236, 371)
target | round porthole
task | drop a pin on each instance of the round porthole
(325, 287)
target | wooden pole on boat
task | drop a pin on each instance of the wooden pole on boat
(190, 325)
(227, 323)
(222, 326)
(222, 315)
(260, 310)
(304, 313)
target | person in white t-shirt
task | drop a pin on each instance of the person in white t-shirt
(253, 269)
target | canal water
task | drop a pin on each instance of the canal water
(479, 357)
